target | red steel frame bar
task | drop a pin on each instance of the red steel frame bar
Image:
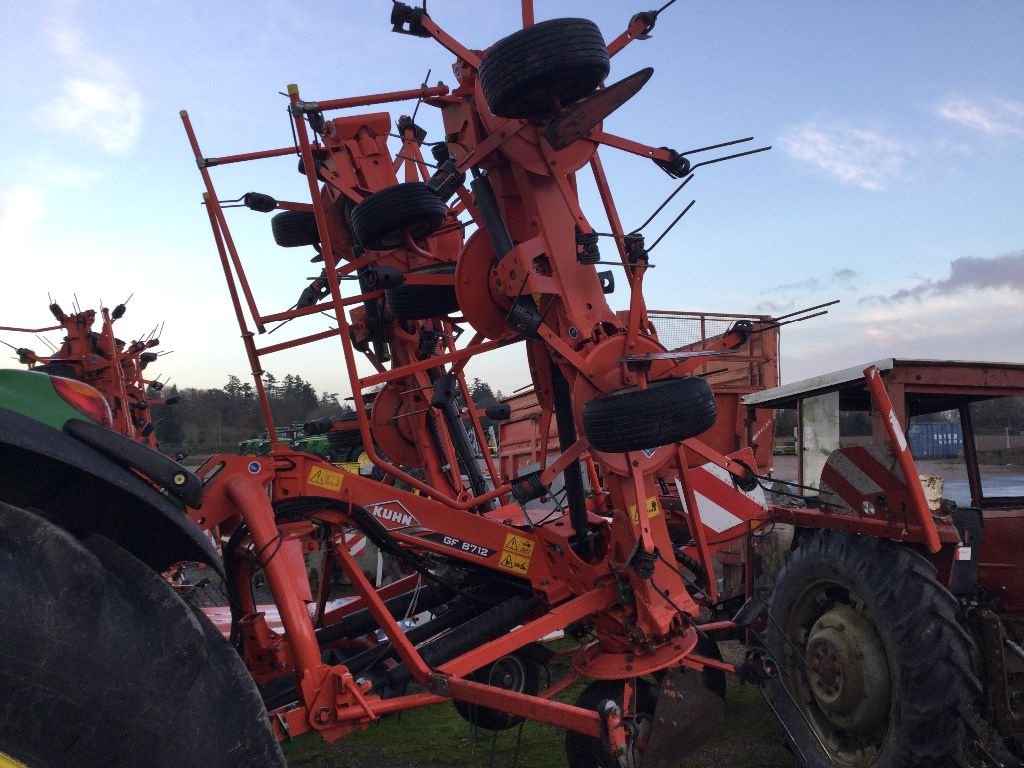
(300, 107)
(215, 210)
(31, 330)
(247, 336)
(906, 460)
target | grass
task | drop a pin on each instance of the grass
(437, 736)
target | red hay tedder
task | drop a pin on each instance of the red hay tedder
(103, 361)
(522, 120)
(617, 538)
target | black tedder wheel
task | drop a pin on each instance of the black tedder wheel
(380, 220)
(101, 664)
(870, 653)
(564, 59)
(293, 229)
(633, 419)
(588, 752)
(418, 302)
(519, 672)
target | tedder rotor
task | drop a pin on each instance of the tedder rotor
(102, 360)
(427, 266)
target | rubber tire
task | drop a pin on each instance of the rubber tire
(587, 752)
(419, 302)
(565, 59)
(101, 664)
(293, 229)
(633, 419)
(494, 719)
(928, 652)
(379, 221)
(343, 441)
(713, 679)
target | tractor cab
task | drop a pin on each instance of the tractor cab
(964, 425)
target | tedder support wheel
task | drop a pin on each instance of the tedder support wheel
(419, 302)
(588, 752)
(519, 672)
(295, 228)
(101, 664)
(380, 220)
(665, 412)
(873, 657)
(522, 74)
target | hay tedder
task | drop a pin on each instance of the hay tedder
(611, 542)
(102, 360)
(605, 561)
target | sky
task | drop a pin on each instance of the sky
(894, 184)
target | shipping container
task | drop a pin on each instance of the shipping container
(936, 439)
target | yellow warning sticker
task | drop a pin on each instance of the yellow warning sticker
(516, 553)
(325, 478)
(653, 510)
(652, 507)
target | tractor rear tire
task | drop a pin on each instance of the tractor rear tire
(519, 671)
(419, 302)
(293, 229)
(565, 59)
(586, 751)
(634, 419)
(870, 652)
(380, 221)
(101, 664)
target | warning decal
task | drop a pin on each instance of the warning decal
(325, 478)
(516, 553)
(652, 507)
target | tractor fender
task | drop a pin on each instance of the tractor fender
(85, 491)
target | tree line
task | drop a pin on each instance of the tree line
(217, 420)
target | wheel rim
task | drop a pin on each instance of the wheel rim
(6, 761)
(841, 672)
(509, 673)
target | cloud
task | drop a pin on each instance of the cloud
(992, 116)
(98, 101)
(22, 208)
(863, 157)
(790, 296)
(837, 278)
(969, 273)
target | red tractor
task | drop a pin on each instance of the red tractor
(896, 621)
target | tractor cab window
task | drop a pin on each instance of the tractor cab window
(937, 444)
(828, 422)
(998, 427)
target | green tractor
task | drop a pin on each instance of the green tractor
(101, 662)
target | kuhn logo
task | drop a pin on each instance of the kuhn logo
(394, 514)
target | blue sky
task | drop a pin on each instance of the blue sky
(895, 183)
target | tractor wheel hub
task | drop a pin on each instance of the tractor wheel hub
(847, 670)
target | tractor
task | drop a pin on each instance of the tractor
(895, 622)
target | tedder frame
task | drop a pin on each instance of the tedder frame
(623, 561)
